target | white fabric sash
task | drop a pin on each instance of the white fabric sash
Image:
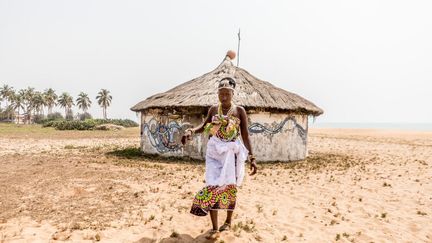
(225, 162)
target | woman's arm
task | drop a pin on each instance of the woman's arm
(245, 137)
(244, 129)
(208, 119)
(190, 131)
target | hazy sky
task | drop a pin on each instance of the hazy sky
(361, 61)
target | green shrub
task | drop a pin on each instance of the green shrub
(51, 119)
(84, 116)
(39, 118)
(74, 125)
(69, 115)
(120, 122)
(55, 116)
(88, 124)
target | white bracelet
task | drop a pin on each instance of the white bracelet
(192, 132)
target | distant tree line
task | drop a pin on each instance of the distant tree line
(30, 104)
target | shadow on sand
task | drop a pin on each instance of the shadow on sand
(181, 238)
(135, 154)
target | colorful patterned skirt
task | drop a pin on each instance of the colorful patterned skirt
(214, 198)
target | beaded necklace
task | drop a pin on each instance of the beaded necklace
(224, 126)
(230, 111)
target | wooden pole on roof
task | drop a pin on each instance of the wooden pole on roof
(238, 49)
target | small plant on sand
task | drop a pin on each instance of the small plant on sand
(337, 237)
(248, 227)
(386, 184)
(152, 217)
(259, 208)
(284, 238)
(258, 237)
(383, 215)
(174, 234)
(421, 213)
(69, 146)
(237, 227)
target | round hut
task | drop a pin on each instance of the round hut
(278, 119)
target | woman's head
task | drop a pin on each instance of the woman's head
(226, 90)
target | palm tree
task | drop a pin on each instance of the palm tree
(66, 101)
(83, 101)
(104, 100)
(38, 102)
(50, 99)
(6, 93)
(28, 97)
(17, 102)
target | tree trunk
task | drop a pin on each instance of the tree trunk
(18, 115)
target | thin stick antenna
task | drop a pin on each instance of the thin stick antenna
(238, 49)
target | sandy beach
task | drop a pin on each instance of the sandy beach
(357, 185)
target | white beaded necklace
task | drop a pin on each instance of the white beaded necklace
(230, 111)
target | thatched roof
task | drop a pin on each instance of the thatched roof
(251, 93)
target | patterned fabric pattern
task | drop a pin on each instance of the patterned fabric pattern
(214, 198)
(224, 127)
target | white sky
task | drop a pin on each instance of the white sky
(361, 61)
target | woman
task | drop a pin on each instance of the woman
(225, 156)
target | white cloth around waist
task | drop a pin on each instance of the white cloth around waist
(225, 162)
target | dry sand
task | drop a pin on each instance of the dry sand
(355, 186)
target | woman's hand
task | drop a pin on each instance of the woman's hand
(187, 136)
(253, 167)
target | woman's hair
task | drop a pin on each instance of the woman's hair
(227, 83)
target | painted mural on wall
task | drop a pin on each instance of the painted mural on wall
(165, 137)
(278, 128)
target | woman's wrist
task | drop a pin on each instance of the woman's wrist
(191, 131)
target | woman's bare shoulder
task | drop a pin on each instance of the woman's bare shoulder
(241, 109)
(212, 110)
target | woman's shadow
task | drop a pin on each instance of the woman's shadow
(180, 238)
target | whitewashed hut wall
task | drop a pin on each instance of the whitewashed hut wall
(274, 137)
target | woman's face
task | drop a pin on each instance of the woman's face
(225, 96)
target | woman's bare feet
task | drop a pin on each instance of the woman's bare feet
(225, 226)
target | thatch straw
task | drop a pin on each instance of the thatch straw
(250, 93)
